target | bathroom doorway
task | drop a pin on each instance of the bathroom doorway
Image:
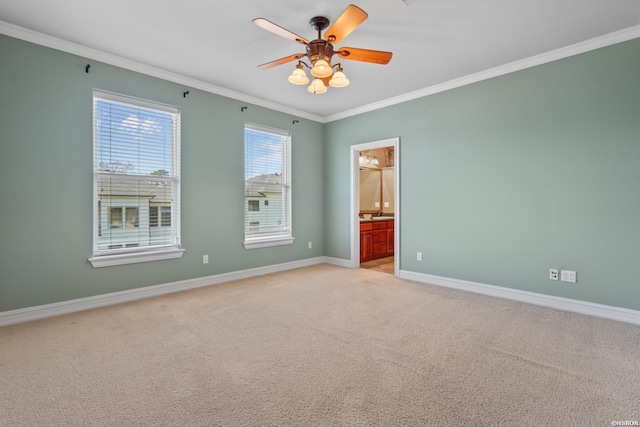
(375, 205)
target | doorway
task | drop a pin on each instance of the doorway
(393, 229)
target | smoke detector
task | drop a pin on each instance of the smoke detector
(410, 2)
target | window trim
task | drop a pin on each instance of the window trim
(135, 257)
(143, 253)
(261, 241)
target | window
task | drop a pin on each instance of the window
(115, 218)
(254, 205)
(136, 176)
(267, 174)
(153, 216)
(130, 216)
(160, 216)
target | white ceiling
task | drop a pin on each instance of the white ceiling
(215, 43)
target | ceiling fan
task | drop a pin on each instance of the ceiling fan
(321, 50)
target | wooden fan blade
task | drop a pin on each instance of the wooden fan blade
(350, 19)
(281, 61)
(278, 30)
(365, 55)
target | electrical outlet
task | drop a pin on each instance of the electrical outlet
(310, 245)
(205, 259)
(553, 274)
(568, 276)
(419, 256)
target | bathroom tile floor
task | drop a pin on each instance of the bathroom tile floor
(384, 265)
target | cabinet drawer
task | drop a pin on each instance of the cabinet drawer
(379, 225)
(380, 236)
(379, 249)
(364, 226)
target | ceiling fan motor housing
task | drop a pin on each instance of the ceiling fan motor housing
(319, 49)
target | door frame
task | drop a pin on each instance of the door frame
(355, 199)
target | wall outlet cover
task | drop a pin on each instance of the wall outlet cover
(568, 276)
(553, 274)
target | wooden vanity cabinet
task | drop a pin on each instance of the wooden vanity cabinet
(390, 237)
(366, 241)
(379, 239)
(376, 239)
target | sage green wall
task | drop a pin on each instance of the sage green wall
(46, 179)
(501, 180)
(506, 178)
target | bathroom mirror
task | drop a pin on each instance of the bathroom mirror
(370, 190)
(377, 178)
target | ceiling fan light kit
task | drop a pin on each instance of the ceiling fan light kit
(321, 68)
(299, 77)
(339, 79)
(320, 51)
(317, 87)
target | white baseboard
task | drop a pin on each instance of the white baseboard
(81, 304)
(339, 262)
(566, 304)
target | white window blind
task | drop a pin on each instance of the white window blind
(267, 188)
(136, 169)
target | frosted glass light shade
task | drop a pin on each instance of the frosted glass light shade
(299, 77)
(321, 69)
(317, 87)
(338, 80)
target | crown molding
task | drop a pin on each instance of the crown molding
(107, 58)
(554, 55)
(128, 64)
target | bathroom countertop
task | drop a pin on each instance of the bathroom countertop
(378, 218)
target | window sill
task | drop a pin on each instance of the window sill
(133, 258)
(266, 243)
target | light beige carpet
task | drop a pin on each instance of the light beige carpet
(320, 346)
